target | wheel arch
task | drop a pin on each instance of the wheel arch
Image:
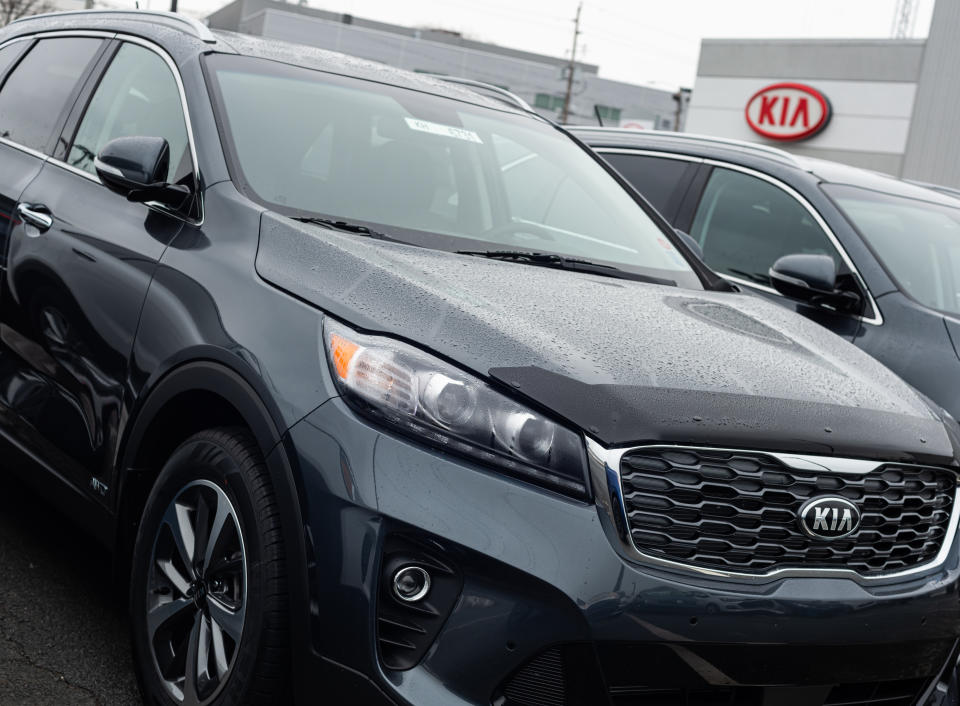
(207, 376)
(220, 394)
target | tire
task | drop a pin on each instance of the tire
(219, 604)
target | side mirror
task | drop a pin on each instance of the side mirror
(690, 242)
(136, 167)
(812, 279)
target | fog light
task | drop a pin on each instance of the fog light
(411, 584)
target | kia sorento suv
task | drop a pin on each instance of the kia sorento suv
(387, 391)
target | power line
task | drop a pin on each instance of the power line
(663, 46)
(624, 19)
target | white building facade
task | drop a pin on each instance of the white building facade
(893, 103)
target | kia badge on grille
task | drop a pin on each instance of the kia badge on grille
(829, 517)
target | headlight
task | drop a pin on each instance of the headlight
(423, 396)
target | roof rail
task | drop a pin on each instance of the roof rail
(501, 93)
(186, 24)
(755, 146)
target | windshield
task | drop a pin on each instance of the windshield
(428, 170)
(918, 241)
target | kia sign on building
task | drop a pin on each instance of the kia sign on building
(788, 111)
(855, 101)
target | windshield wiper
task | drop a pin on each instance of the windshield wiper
(540, 259)
(347, 227)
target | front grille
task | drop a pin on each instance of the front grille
(738, 510)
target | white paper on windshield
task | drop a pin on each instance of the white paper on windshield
(458, 133)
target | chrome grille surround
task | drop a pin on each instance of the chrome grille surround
(605, 467)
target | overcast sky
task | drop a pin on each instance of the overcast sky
(640, 41)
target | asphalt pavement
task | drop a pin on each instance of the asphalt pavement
(63, 630)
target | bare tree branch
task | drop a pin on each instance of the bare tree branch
(12, 9)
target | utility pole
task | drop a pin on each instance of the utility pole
(565, 113)
(904, 17)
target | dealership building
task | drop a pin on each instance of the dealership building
(890, 105)
(537, 78)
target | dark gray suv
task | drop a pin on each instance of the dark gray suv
(388, 392)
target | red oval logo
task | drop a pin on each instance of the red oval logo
(788, 111)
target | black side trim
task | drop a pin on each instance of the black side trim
(405, 631)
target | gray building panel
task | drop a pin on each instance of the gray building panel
(253, 24)
(229, 17)
(640, 102)
(842, 59)
(933, 147)
(527, 74)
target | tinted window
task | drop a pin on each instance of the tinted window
(138, 96)
(918, 241)
(657, 178)
(35, 95)
(744, 224)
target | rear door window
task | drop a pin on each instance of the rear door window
(744, 224)
(44, 84)
(661, 180)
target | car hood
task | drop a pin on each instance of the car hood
(625, 361)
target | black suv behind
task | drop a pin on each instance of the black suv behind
(370, 414)
(885, 271)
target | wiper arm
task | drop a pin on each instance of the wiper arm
(347, 227)
(560, 262)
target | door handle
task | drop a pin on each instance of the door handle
(36, 215)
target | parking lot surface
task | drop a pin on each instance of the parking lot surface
(63, 631)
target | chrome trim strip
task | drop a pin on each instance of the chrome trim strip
(183, 103)
(648, 153)
(21, 38)
(23, 148)
(875, 320)
(471, 83)
(195, 26)
(60, 33)
(608, 489)
(75, 170)
(765, 150)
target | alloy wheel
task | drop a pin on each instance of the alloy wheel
(196, 593)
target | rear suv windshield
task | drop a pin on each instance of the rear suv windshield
(429, 170)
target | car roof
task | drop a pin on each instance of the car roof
(185, 37)
(344, 65)
(754, 155)
(682, 142)
(837, 173)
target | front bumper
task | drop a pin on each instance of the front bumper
(543, 592)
